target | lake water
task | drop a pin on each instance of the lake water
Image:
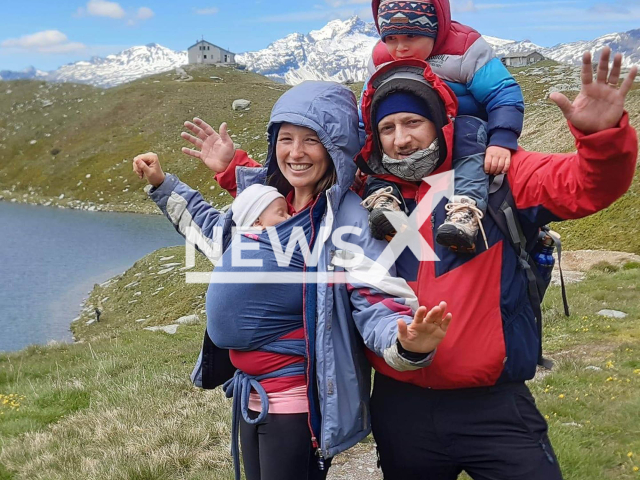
(50, 258)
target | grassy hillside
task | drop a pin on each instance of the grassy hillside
(53, 136)
(616, 228)
(97, 133)
(118, 404)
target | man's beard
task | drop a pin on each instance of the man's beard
(416, 166)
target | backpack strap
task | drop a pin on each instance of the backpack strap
(507, 221)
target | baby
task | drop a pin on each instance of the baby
(259, 206)
(466, 62)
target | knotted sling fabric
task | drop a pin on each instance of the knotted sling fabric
(254, 317)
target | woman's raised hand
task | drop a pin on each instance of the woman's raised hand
(215, 150)
(426, 331)
(148, 166)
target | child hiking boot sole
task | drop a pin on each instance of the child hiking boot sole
(448, 235)
(380, 226)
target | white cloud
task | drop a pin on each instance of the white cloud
(462, 6)
(144, 13)
(207, 11)
(47, 41)
(102, 8)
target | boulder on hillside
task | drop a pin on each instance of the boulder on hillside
(188, 320)
(170, 329)
(241, 104)
(612, 313)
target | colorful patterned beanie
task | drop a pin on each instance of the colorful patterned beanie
(407, 18)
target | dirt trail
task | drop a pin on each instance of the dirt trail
(576, 263)
(357, 463)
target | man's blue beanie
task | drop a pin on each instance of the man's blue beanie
(404, 102)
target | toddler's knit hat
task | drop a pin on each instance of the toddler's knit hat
(407, 18)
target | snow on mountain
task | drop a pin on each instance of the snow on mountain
(524, 46)
(497, 42)
(128, 65)
(340, 52)
(627, 43)
(135, 62)
(26, 74)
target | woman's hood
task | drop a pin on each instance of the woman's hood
(330, 110)
(443, 11)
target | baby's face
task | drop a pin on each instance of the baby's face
(274, 214)
(409, 46)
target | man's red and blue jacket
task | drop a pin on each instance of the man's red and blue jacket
(493, 336)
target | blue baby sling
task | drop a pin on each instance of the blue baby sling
(255, 317)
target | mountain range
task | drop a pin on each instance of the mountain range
(339, 51)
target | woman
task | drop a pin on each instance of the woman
(313, 137)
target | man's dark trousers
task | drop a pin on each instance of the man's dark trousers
(492, 433)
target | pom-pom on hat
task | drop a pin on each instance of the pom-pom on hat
(407, 18)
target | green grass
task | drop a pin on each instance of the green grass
(545, 130)
(119, 404)
(98, 132)
(143, 297)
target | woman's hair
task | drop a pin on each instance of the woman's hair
(278, 180)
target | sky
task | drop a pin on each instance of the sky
(47, 34)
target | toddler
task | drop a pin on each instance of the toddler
(424, 30)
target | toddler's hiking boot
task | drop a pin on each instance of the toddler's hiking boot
(380, 201)
(460, 228)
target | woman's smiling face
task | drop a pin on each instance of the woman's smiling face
(302, 158)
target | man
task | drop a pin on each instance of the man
(470, 409)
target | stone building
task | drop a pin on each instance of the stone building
(206, 52)
(521, 59)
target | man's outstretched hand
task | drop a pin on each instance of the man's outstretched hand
(426, 331)
(600, 104)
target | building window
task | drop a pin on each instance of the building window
(205, 57)
(208, 48)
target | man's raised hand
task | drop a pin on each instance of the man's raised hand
(214, 150)
(600, 104)
(426, 331)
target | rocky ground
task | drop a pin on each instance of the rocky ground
(576, 263)
(358, 463)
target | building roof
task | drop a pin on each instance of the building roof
(209, 43)
(522, 54)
